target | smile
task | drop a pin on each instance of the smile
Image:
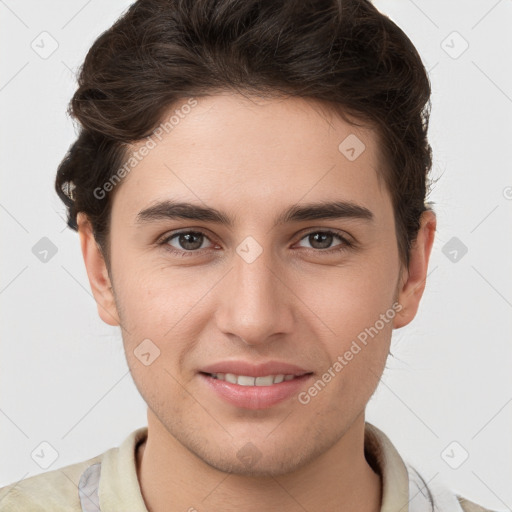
(246, 380)
(250, 392)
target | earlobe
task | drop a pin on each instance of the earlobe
(97, 272)
(412, 286)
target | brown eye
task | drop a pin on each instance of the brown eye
(186, 241)
(322, 240)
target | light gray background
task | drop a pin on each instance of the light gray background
(64, 378)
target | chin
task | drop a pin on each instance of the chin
(261, 468)
(249, 461)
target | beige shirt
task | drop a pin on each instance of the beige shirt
(108, 483)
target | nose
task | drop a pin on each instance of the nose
(255, 303)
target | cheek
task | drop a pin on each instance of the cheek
(157, 298)
(356, 356)
(163, 315)
(350, 298)
(355, 308)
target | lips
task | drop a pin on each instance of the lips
(254, 370)
(247, 380)
(250, 386)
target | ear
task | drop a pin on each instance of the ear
(97, 272)
(412, 283)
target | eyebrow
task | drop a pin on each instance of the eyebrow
(169, 209)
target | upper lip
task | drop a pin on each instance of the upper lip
(254, 370)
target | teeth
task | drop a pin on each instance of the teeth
(264, 381)
(245, 380)
(230, 377)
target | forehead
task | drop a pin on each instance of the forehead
(245, 153)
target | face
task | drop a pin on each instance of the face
(267, 281)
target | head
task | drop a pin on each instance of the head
(257, 113)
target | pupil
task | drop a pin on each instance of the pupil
(323, 237)
(187, 244)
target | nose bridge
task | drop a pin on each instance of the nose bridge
(254, 303)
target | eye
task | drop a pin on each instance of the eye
(322, 240)
(190, 243)
(185, 242)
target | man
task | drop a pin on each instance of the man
(249, 189)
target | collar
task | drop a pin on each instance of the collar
(385, 460)
(119, 488)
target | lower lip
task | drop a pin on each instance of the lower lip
(255, 397)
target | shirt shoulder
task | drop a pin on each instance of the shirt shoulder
(108, 481)
(469, 506)
(52, 491)
(403, 487)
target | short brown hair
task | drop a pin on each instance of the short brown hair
(343, 53)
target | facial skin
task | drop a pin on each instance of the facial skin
(294, 303)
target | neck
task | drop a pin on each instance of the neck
(174, 479)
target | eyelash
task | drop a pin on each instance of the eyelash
(346, 244)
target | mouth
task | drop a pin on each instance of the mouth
(247, 380)
(247, 386)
